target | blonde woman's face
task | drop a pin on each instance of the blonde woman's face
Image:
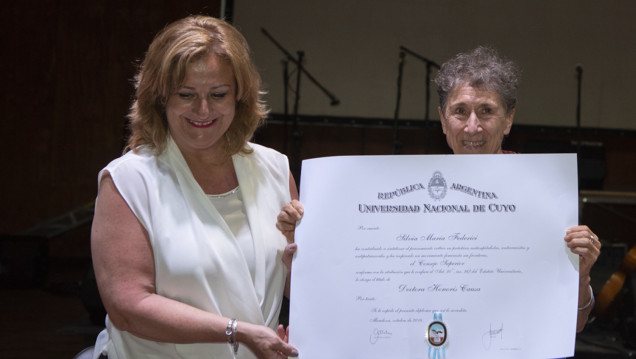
(202, 109)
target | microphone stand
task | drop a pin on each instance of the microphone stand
(285, 101)
(397, 144)
(297, 134)
(429, 65)
(579, 77)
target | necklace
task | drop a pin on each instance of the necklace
(223, 195)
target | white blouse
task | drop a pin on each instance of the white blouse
(221, 255)
(230, 206)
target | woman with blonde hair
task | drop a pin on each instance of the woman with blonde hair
(187, 258)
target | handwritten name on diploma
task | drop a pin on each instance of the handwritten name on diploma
(437, 237)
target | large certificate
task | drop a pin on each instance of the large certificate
(437, 256)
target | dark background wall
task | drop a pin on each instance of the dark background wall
(352, 47)
(67, 69)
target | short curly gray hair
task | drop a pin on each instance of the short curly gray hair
(480, 67)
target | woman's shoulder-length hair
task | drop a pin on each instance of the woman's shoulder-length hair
(163, 70)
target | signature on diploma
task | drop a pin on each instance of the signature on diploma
(490, 335)
(378, 334)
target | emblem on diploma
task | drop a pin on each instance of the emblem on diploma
(437, 186)
(437, 336)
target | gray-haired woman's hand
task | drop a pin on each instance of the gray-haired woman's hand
(288, 217)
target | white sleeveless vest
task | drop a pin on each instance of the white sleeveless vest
(197, 259)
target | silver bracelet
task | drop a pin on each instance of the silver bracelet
(230, 332)
(591, 302)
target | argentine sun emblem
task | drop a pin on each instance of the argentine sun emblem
(437, 186)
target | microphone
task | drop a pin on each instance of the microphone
(579, 69)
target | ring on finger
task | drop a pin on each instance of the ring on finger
(592, 239)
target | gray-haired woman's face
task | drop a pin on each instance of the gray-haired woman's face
(475, 120)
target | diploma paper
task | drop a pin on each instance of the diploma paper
(388, 241)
